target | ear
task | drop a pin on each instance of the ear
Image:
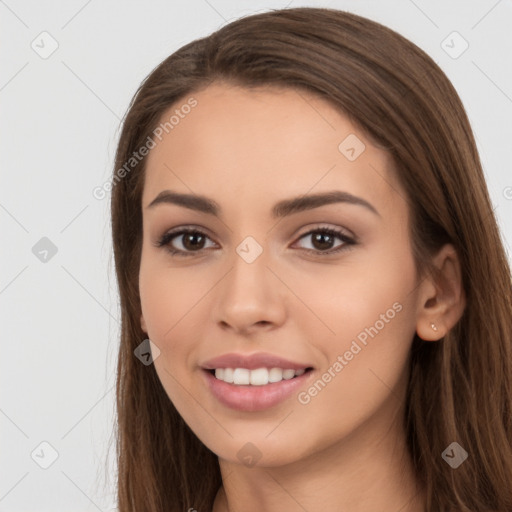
(441, 298)
(143, 324)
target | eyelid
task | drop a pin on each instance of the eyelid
(329, 227)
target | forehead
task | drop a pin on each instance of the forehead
(269, 142)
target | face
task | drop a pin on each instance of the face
(271, 267)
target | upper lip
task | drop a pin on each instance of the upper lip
(252, 361)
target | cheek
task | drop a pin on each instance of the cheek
(363, 380)
(369, 290)
(167, 296)
(166, 299)
(371, 313)
(173, 306)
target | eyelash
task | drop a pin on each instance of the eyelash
(169, 236)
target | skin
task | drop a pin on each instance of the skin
(247, 150)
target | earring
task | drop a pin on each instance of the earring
(434, 328)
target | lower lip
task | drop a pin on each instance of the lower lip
(254, 398)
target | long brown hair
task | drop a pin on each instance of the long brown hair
(460, 388)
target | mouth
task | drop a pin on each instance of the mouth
(257, 377)
(253, 390)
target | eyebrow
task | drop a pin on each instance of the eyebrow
(281, 209)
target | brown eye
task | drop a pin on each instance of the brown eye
(322, 241)
(191, 240)
(324, 238)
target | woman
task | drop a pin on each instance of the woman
(302, 229)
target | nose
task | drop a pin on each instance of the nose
(250, 297)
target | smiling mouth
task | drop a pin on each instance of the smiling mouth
(257, 377)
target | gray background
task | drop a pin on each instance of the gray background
(60, 123)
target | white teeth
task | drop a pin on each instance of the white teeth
(257, 377)
(228, 375)
(288, 374)
(241, 376)
(275, 375)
